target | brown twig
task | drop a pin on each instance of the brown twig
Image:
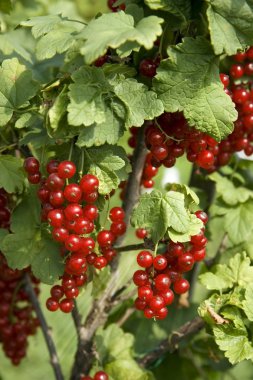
(171, 344)
(101, 307)
(45, 329)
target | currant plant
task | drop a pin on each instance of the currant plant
(126, 201)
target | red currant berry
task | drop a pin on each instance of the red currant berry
(57, 292)
(145, 259)
(181, 286)
(117, 214)
(60, 234)
(140, 304)
(73, 193)
(73, 211)
(140, 278)
(141, 233)
(168, 296)
(105, 238)
(73, 243)
(90, 212)
(162, 282)
(67, 305)
(55, 218)
(89, 183)
(52, 166)
(100, 262)
(202, 216)
(101, 375)
(162, 313)
(54, 182)
(145, 293)
(52, 304)
(31, 165)
(66, 169)
(160, 262)
(148, 68)
(156, 303)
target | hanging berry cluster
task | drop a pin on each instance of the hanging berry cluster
(70, 211)
(17, 321)
(162, 271)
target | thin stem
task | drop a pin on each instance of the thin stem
(45, 329)
(171, 344)
(81, 164)
(71, 150)
(9, 147)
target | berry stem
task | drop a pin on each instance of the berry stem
(81, 164)
(45, 329)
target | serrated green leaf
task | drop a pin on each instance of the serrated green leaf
(158, 212)
(140, 104)
(114, 29)
(17, 87)
(228, 192)
(42, 24)
(234, 342)
(237, 272)
(194, 228)
(212, 305)
(181, 8)
(248, 302)
(230, 25)
(108, 105)
(238, 222)
(12, 175)
(189, 81)
(109, 164)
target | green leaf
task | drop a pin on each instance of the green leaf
(26, 120)
(194, 228)
(56, 34)
(109, 164)
(181, 8)
(108, 105)
(17, 87)
(58, 110)
(238, 222)
(230, 25)
(189, 81)
(12, 175)
(234, 342)
(228, 192)
(28, 246)
(158, 212)
(237, 272)
(140, 104)
(114, 348)
(190, 196)
(114, 29)
(5, 6)
(248, 302)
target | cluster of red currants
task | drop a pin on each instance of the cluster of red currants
(71, 213)
(101, 375)
(16, 313)
(160, 272)
(238, 84)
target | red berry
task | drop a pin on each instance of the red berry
(160, 262)
(57, 292)
(148, 68)
(118, 228)
(73, 193)
(89, 183)
(54, 182)
(73, 243)
(73, 211)
(141, 233)
(60, 234)
(236, 71)
(55, 218)
(162, 313)
(181, 286)
(83, 226)
(162, 282)
(145, 293)
(105, 238)
(34, 178)
(140, 278)
(56, 198)
(90, 212)
(175, 249)
(224, 79)
(168, 296)
(66, 169)
(117, 214)
(202, 216)
(140, 304)
(52, 166)
(52, 304)
(100, 262)
(67, 305)
(31, 165)
(156, 303)
(185, 262)
(72, 293)
(145, 259)
(148, 313)
(205, 159)
(101, 375)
